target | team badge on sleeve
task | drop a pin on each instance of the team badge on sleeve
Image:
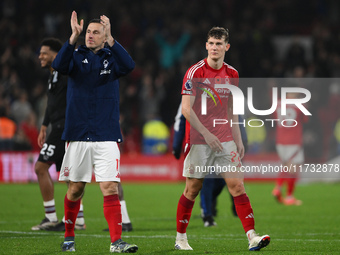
(188, 85)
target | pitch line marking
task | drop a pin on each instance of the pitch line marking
(222, 237)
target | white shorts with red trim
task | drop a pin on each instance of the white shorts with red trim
(201, 160)
(81, 159)
(290, 154)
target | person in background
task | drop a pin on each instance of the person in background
(289, 146)
(52, 147)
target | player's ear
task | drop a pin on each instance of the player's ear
(206, 45)
(227, 47)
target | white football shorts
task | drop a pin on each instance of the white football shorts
(201, 161)
(292, 154)
(81, 159)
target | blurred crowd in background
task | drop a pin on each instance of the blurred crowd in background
(297, 39)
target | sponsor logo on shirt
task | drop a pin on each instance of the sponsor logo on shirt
(187, 92)
(105, 64)
(105, 72)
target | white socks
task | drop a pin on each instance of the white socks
(125, 215)
(250, 234)
(181, 236)
(80, 217)
(50, 212)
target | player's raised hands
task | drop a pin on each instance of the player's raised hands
(76, 27)
(105, 21)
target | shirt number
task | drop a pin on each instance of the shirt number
(50, 149)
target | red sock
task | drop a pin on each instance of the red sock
(280, 179)
(71, 209)
(113, 216)
(184, 209)
(291, 186)
(244, 212)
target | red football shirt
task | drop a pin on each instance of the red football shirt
(206, 84)
(288, 135)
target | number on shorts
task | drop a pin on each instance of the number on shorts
(117, 161)
(234, 156)
(50, 149)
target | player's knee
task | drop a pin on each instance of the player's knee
(109, 188)
(39, 169)
(191, 192)
(236, 188)
(74, 194)
(191, 195)
(36, 169)
(75, 190)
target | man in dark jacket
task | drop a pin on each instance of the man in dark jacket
(92, 128)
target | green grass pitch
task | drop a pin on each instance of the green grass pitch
(312, 228)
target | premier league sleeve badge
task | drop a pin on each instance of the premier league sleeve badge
(188, 85)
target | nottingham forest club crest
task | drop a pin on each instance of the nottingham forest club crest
(66, 171)
(105, 71)
(105, 63)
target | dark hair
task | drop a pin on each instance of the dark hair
(219, 33)
(54, 44)
(94, 21)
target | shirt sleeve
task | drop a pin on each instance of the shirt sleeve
(63, 61)
(124, 63)
(188, 85)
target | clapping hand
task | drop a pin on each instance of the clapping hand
(76, 28)
(105, 21)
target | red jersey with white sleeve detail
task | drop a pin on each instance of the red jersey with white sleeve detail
(206, 84)
(288, 133)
